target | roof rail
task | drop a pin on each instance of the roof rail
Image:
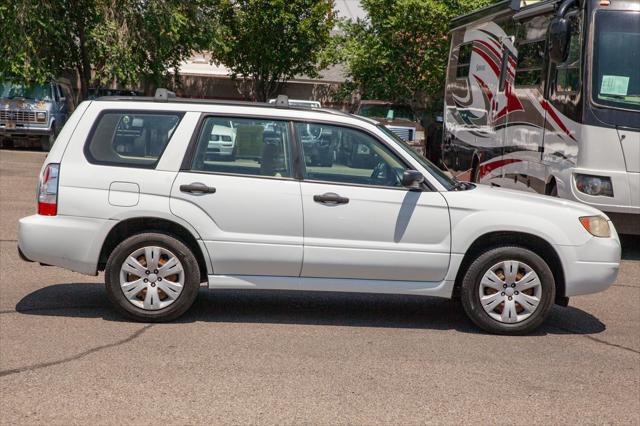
(282, 101)
(163, 95)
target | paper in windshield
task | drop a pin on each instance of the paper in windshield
(614, 85)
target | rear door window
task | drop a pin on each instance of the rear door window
(131, 139)
(244, 146)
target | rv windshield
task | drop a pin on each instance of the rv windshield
(616, 55)
(11, 90)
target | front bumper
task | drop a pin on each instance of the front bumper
(24, 131)
(219, 150)
(66, 241)
(592, 267)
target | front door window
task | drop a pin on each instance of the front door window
(346, 156)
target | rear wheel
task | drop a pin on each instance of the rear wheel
(152, 277)
(508, 290)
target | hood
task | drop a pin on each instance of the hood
(488, 209)
(22, 103)
(487, 197)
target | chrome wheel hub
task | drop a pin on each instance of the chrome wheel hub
(151, 278)
(510, 291)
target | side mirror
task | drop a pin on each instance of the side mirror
(412, 179)
(559, 37)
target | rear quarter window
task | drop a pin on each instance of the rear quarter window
(131, 138)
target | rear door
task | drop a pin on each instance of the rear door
(359, 222)
(242, 198)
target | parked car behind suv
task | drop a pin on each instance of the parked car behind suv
(400, 119)
(33, 114)
(129, 189)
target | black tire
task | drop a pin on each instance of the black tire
(191, 277)
(470, 290)
(46, 142)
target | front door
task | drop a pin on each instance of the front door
(239, 194)
(359, 222)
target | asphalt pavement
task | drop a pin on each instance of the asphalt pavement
(268, 357)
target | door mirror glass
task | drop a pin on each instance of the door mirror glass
(559, 37)
(412, 179)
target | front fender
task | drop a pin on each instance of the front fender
(467, 227)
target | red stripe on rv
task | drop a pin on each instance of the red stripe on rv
(484, 87)
(489, 61)
(547, 107)
(489, 167)
(488, 46)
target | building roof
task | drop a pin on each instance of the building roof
(350, 9)
(200, 65)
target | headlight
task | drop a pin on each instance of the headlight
(594, 185)
(41, 116)
(420, 135)
(596, 225)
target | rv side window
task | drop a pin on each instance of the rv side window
(464, 59)
(530, 60)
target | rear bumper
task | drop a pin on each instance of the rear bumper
(68, 242)
(592, 267)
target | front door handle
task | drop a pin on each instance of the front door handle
(197, 188)
(330, 198)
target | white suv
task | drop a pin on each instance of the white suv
(130, 188)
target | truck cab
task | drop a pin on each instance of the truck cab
(33, 114)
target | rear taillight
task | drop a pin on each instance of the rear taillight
(48, 191)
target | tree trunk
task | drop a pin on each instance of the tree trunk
(84, 68)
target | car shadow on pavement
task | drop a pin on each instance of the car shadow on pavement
(304, 308)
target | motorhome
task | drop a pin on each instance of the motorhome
(544, 96)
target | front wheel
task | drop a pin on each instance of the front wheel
(46, 141)
(152, 277)
(508, 290)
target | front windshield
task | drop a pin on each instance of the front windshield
(11, 90)
(389, 112)
(434, 170)
(616, 59)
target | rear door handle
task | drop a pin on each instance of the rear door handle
(330, 198)
(197, 188)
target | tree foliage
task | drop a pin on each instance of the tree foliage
(128, 41)
(400, 51)
(267, 42)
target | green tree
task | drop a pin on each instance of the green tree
(102, 41)
(399, 52)
(266, 42)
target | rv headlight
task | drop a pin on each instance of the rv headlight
(594, 185)
(596, 225)
(420, 135)
(41, 116)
